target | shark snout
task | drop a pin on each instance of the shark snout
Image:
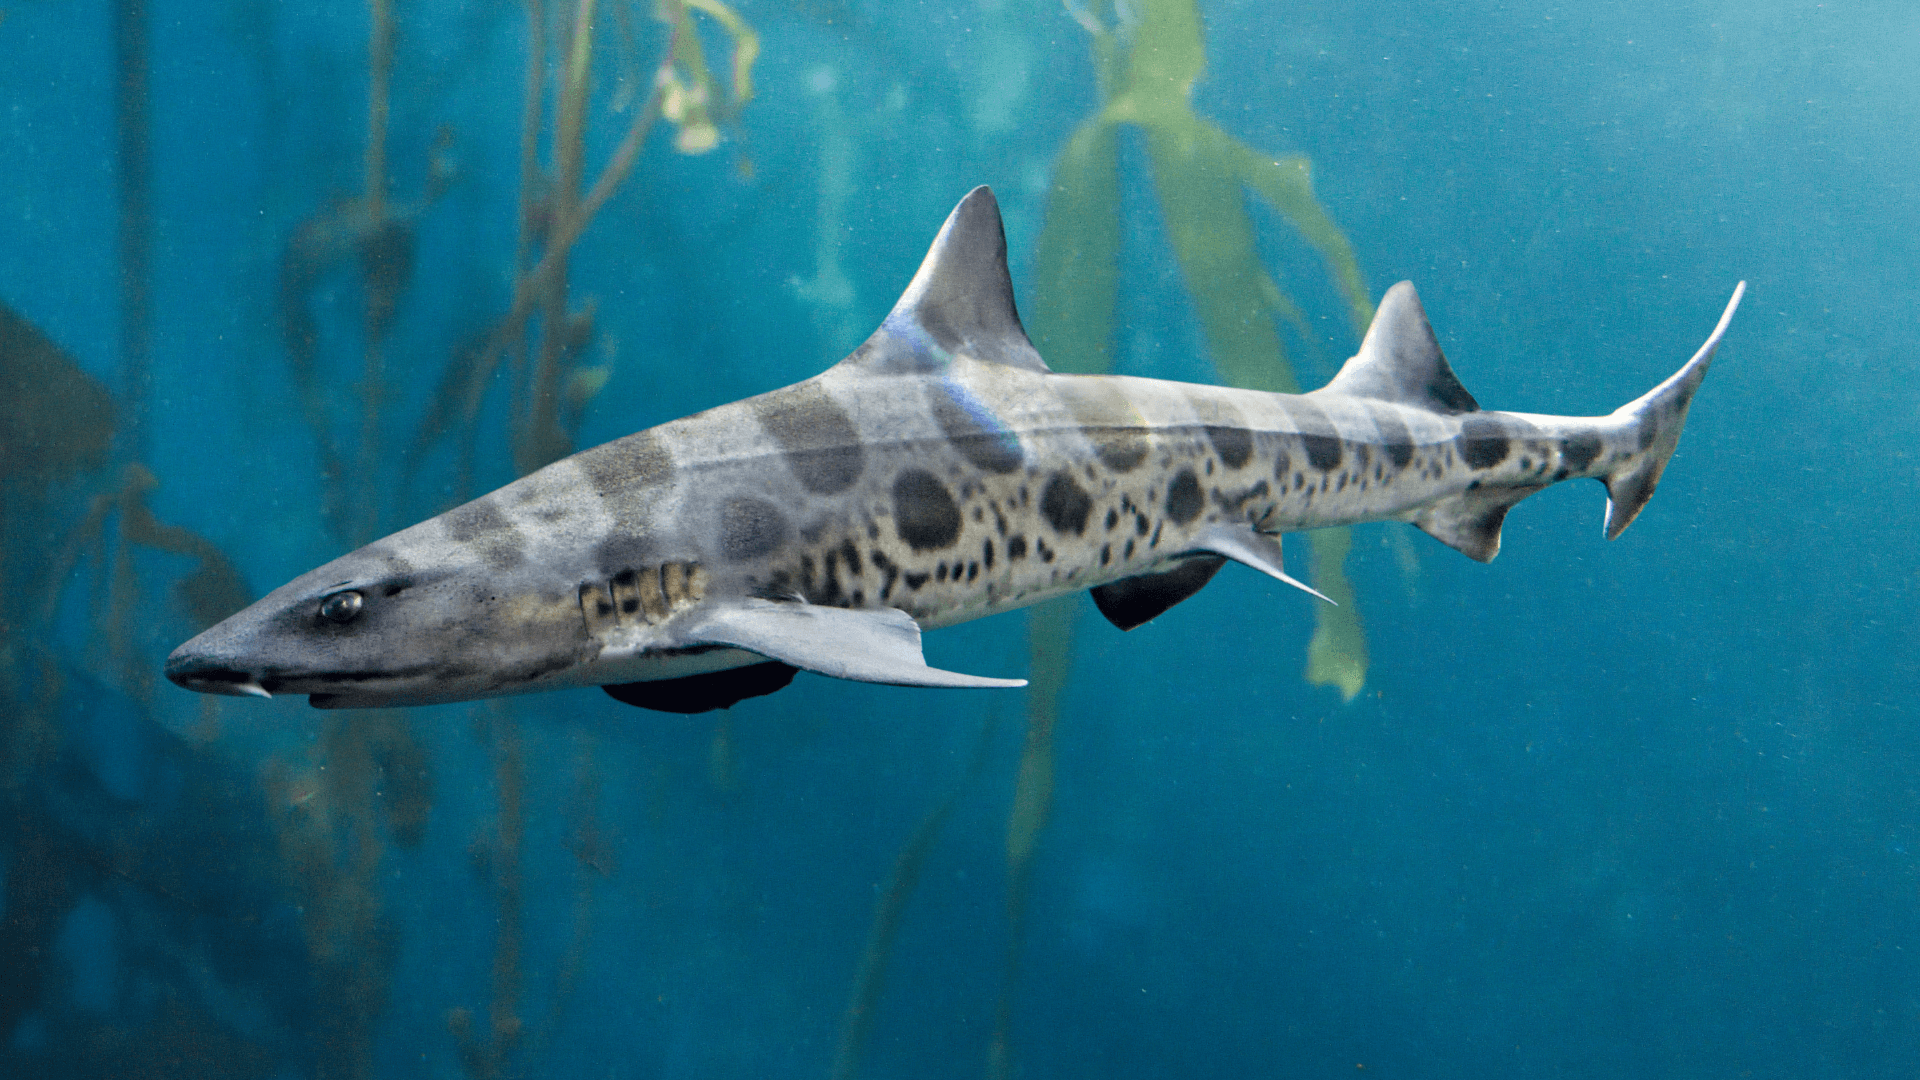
(226, 659)
(211, 675)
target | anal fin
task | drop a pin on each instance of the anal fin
(875, 645)
(705, 692)
(1469, 522)
(1140, 599)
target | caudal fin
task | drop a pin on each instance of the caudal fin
(1657, 417)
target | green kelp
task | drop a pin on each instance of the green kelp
(1201, 175)
(1147, 57)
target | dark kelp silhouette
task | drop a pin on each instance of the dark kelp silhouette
(84, 835)
(335, 809)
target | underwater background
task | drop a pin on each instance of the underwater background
(279, 278)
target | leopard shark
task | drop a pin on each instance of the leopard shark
(939, 473)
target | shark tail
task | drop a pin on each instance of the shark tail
(1656, 418)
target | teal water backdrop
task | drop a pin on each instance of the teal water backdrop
(1640, 808)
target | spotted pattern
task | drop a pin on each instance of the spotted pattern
(1395, 439)
(1184, 500)
(1578, 451)
(482, 526)
(815, 434)
(971, 428)
(750, 528)
(1109, 421)
(1483, 442)
(1065, 504)
(1233, 444)
(637, 461)
(924, 513)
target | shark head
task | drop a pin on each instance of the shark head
(382, 626)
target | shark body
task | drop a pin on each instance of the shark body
(938, 474)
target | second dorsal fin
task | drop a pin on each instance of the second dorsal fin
(1401, 362)
(959, 303)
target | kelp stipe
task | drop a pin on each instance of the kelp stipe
(542, 337)
(1147, 58)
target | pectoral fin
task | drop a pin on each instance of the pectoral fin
(865, 645)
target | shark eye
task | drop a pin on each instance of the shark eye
(341, 607)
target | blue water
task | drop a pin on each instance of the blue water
(1642, 808)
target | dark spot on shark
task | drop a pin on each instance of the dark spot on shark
(1323, 451)
(1108, 421)
(1395, 439)
(816, 435)
(1578, 451)
(1233, 504)
(1483, 443)
(915, 580)
(474, 520)
(1065, 505)
(624, 466)
(1113, 518)
(623, 550)
(924, 513)
(974, 431)
(1318, 437)
(1140, 523)
(750, 528)
(830, 593)
(851, 556)
(1017, 548)
(1233, 444)
(1106, 554)
(940, 572)
(625, 586)
(986, 553)
(1184, 500)
(973, 571)
(483, 526)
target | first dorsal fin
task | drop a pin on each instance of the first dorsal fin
(960, 303)
(1401, 362)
